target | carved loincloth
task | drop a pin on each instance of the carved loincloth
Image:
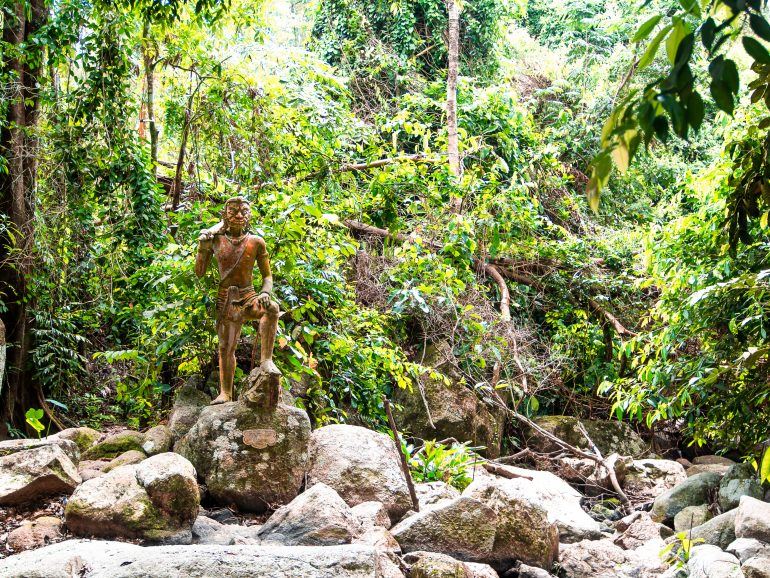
(242, 298)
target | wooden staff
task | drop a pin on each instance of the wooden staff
(404, 464)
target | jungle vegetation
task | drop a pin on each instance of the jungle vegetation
(561, 285)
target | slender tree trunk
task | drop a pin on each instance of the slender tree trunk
(453, 40)
(149, 79)
(18, 147)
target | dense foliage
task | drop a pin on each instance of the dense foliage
(652, 309)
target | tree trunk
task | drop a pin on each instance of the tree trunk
(453, 40)
(18, 147)
(149, 78)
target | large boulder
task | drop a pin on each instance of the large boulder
(648, 478)
(254, 459)
(637, 529)
(35, 533)
(745, 548)
(756, 567)
(84, 437)
(188, 405)
(157, 440)
(753, 519)
(371, 514)
(603, 559)
(125, 459)
(708, 561)
(155, 500)
(100, 559)
(455, 411)
(317, 517)
(740, 480)
(429, 493)
(43, 469)
(433, 565)
(361, 465)
(463, 528)
(115, 444)
(718, 531)
(692, 516)
(524, 532)
(610, 436)
(69, 447)
(694, 491)
(560, 501)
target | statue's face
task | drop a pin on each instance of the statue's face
(238, 215)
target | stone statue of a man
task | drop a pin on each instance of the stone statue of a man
(236, 251)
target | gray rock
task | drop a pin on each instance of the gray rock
(188, 404)
(156, 500)
(739, 480)
(610, 436)
(124, 459)
(753, 519)
(433, 565)
(694, 491)
(115, 444)
(100, 559)
(603, 559)
(524, 531)
(560, 501)
(429, 493)
(463, 528)
(371, 514)
(455, 410)
(692, 516)
(84, 437)
(532, 572)
(210, 532)
(745, 548)
(711, 460)
(379, 538)
(646, 479)
(42, 470)
(756, 567)
(34, 533)
(718, 531)
(361, 465)
(637, 529)
(707, 468)
(69, 447)
(707, 561)
(157, 440)
(317, 517)
(254, 459)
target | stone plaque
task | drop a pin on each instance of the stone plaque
(260, 438)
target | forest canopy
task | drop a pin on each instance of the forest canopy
(124, 126)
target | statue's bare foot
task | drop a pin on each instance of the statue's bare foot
(221, 398)
(268, 366)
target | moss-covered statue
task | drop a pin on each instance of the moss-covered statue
(237, 251)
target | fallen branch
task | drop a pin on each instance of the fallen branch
(609, 465)
(611, 319)
(504, 473)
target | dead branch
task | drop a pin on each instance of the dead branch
(404, 464)
(498, 470)
(611, 319)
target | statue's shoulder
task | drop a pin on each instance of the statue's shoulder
(258, 242)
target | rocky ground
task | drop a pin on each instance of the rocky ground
(234, 490)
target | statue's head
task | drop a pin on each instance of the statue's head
(237, 213)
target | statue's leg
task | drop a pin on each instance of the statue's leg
(228, 333)
(268, 327)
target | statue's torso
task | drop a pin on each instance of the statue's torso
(236, 261)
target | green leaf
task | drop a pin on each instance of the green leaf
(600, 174)
(722, 96)
(764, 469)
(680, 32)
(652, 48)
(707, 32)
(646, 29)
(695, 110)
(756, 50)
(691, 7)
(760, 26)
